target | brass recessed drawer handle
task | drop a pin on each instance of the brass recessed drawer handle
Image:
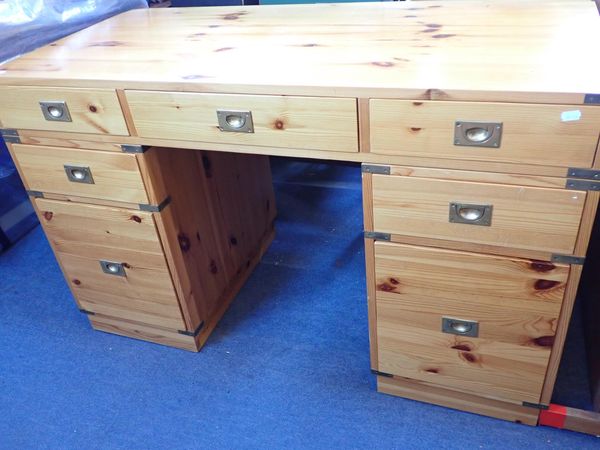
(460, 327)
(113, 268)
(79, 174)
(477, 134)
(235, 121)
(470, 214)
(56, 111)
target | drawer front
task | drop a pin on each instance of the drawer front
(85, 173)
(532, 134)
(541, 219)
(292, 122)
(513, 304)
(85, 235)
(95, 111)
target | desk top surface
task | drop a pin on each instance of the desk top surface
(527, 50)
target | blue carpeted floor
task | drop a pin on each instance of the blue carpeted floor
(286, 368)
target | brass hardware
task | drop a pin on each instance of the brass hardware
(235, 121)
(587, 174)
(375, 169)
(79, 174)
(377, 236)
(112, 268)
(56, 111)
(568, 259)
(460, 327)
(477, 134)
(582, 185)
(470, 214)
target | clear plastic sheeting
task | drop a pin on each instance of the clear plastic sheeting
(28, 24)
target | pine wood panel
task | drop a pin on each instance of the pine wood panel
(413, 161)
(516, 303)
(300, 122)
(532, 134)
(144, 332)
(523, 217)
(82, 235)
(425, 392)
(429, 50)
(91, 110)
(116, 175)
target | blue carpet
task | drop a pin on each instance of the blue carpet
(286, 368)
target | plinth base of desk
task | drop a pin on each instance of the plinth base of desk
(423, 392)
(174, 338)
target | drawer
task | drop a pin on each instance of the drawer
(469, 322)
(85, 235)
(532, 134)
(95, 111)
(274, 121)
(102, 175)
(531, 218)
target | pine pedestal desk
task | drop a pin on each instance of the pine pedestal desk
(144, 140)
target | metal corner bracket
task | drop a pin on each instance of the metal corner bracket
(582, 185)
(11, 136)
(192, 333)
(378, 236)
(586, 174)
(35, 194)
(375, 169)
(130, 148)
(381, 374)
(155, 208)
(593, 99)
(568, 259)
(535, 405)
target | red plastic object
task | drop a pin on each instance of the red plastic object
(554, 416)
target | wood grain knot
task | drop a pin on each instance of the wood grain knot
(463, 347)
(48, 215)
(469, 357)
(184, 242)
(76, 282)
(542, 266)
(544, 341)
(278, 124)
(213, 267)
(390, 285)
(135, 218)
(93, 108)
(106, 44)
(415, 129)
(544, 285)
(234, 16)
(432, 370)
(383, 63)
(198, 236)
(233, 240)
